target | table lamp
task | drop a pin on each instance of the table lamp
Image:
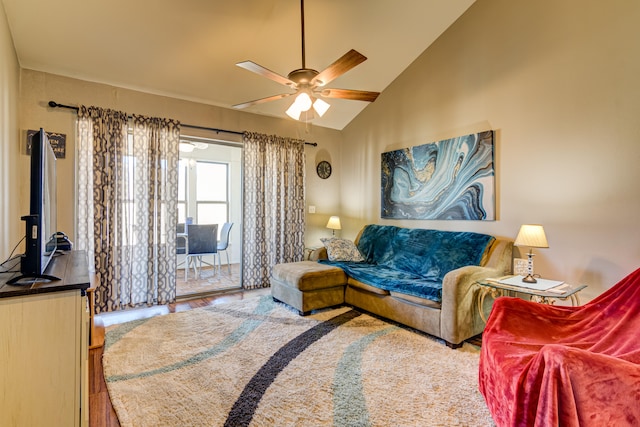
(334, 224)
(531, 235)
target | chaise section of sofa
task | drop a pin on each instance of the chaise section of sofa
(308, 285)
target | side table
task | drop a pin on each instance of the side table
(495, 289)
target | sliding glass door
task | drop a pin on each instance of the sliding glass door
(210, 192)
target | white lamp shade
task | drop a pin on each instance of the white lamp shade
(294, 111)
(531, 235)
(320, 106)
(304, 101)
(303, 104)
(334, 223)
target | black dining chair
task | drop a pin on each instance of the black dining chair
(202, 240)
(181, 239)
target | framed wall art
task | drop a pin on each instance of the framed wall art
(58, 143)
(452, 179)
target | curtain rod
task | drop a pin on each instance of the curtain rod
(54, 104)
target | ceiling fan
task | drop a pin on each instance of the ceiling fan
(309, 84)
(189, 146)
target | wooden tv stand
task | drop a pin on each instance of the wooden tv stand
(44, 331)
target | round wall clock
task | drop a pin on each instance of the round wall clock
(324, 169)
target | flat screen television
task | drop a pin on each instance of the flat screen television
(40, 235)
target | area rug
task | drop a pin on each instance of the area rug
(257, 363)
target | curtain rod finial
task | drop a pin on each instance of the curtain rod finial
(54, 104)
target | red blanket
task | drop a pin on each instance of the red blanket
(543, 365)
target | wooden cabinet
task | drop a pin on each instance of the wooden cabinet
(44, 354)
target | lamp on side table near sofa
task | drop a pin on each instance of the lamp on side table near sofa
(531, 235)
(334, 224)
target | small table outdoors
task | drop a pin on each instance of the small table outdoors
(496, 289)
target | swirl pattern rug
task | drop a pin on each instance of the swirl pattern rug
(257, 363)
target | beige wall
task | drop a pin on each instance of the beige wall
(38, 88)
(558, 82)
(11, 228)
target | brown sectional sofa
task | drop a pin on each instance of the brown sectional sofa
(454, 316)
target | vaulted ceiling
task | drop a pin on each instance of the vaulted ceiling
(188, 49)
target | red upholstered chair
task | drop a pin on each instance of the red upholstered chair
(543, 365)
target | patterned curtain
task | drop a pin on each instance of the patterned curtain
(273, 220)
(127, 206)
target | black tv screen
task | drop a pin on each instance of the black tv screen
(41, 222)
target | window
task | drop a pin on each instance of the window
(212, 192)
(203, 191)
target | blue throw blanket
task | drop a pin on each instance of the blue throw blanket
(413, 261)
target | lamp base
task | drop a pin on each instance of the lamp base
(529, 278)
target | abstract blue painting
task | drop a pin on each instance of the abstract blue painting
(449, 179)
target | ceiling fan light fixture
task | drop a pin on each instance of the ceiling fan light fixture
(321, 106)
(301, 110)
(186, 147)
(302, 103)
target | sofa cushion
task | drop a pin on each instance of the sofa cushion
(416, 300)
(390, 279)
(358, 284)
(341, 250)
(429, 254)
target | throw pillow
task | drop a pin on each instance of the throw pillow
(341, 250)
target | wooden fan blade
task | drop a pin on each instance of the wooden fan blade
(265, 72)
(338, 68)
(357, 95)
(261, 100)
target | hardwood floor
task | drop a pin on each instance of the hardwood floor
(209, 280)
(101, 413)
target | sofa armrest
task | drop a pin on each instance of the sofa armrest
(500, 255)
(319, 253)
(460, 318)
